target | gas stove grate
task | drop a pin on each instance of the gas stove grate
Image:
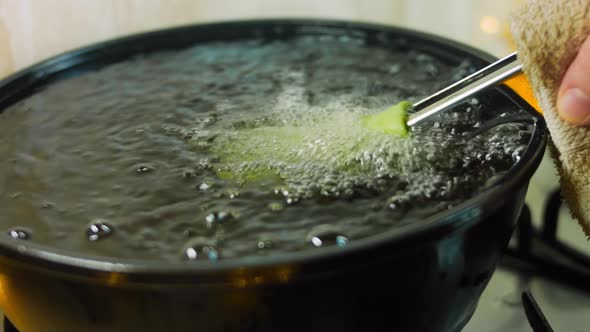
(538, 251)
(534, 314)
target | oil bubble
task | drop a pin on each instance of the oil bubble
(326, 235)
(200, 248)
(98, 229)
(142, 169)
(20, 233)
(215, 218)
(203, 186)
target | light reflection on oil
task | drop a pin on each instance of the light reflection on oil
(115, 278)
(244, 278)
(3, 297)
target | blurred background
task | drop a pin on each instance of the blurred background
(33, 30)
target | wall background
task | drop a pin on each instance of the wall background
(32, 30)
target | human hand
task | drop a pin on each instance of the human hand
(573, 99)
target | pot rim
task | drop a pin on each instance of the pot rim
(54, 259)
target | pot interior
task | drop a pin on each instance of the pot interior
(114, 150)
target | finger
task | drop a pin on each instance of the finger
(573, 101)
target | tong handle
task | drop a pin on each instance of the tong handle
(522, 87)
(503, 70)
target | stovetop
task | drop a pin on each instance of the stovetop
(549, 257)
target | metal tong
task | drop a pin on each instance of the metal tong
(442, 100)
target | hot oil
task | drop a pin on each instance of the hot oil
(229, 150)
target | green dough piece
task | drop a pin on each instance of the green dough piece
(251, 176)
(336, 141)
(392, 121)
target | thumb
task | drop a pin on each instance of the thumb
(573, 99)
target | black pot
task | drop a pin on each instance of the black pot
(423, 277)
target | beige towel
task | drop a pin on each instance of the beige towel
(548, 35)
